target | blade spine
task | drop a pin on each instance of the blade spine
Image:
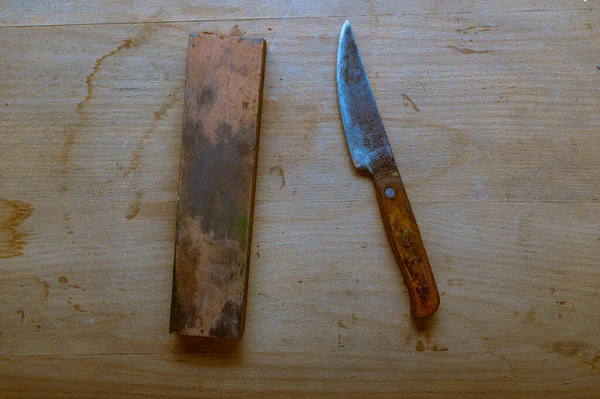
(341, 99)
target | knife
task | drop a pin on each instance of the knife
(371, 154)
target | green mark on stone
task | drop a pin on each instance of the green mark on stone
(242, 228)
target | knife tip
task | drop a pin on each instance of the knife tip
(346, 30)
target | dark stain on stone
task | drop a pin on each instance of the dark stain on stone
(22, 314)
(184, 311)
(214, 197)
(63, 280)
(229, 324)
(206, 96)
(242, 227)
(420, 346)
(225, 266)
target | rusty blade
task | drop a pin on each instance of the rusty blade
(365, 135)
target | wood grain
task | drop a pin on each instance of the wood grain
(330, 375)
(74, 12)
(406, 243)
(500, 163)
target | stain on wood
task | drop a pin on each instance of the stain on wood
(280, 172)
(134, 208)
(405, 239)
(70, 131)
(420, 347)
(465, 50)
(12, 215)
(411, 102)
(471, 166)
(221, 126)
(236, 31)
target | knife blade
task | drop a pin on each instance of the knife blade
(371, 154)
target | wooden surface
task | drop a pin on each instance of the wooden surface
(217, 177)
(492, 111)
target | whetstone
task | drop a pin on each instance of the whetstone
(222, 106)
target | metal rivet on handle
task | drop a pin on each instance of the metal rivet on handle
(390, 193)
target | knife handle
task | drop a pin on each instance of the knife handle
(405, 239)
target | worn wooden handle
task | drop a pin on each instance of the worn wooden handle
(405, 239)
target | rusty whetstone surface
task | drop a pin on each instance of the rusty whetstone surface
(217, 175)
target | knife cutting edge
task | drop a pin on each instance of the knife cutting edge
(371, 154)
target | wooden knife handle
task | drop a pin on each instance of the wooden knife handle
(405, 239)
